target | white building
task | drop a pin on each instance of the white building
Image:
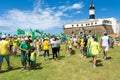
(95, 22)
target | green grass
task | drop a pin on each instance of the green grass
(68, 68)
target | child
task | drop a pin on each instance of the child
(69, 47)
(32, 57)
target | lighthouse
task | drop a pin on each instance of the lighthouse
(92, 11)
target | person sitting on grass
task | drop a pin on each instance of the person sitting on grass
(95, 50)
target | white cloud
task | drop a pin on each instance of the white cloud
(78, 12)
(71, 7)
(77, 6)
(38, 18)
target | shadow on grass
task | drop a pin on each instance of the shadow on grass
(11, 70)
(108, 58)
(98, 63)
(37, 67)
(73, 52)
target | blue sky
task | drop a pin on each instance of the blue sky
(50, 15)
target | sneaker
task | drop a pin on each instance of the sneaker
(81, 56)
(104, 57)
(84, 56)
(23, 68)
(68, 55)
(10, 67)
(94, 66)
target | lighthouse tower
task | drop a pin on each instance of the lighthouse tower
(91, 11)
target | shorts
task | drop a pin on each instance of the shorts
(32, 63)
(105, 48)
(25, 57)
(2, 57)
(81, 47)
(85, 49)
(14, 49)
(58, 49)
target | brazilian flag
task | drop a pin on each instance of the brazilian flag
(20, 31)
(32, 34)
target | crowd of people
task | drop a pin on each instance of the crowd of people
(31, 49)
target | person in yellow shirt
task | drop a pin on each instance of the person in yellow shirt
(78, 43)
(15, 46)
(38, 46)
(4, 52)
(46, 48)
(69, 47)
(81, 47)
(11, 44)
(95, 50)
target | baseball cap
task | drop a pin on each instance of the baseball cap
(26, 38)
(105, 33)
(3, 36)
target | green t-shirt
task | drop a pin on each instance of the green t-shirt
(24, 46)
(58, 43)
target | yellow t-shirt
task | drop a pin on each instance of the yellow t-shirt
(78, 40)
(15, 43)
(82, 42)
(69, 43)
(94, 48)
(4, 45)
(37, 44)
(32, 57)
(45, 45)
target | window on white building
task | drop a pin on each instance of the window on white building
(81, 24)
(72, 25)
(77, 25)
(91, 24)
(95, 22)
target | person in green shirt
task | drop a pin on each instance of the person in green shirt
(24, 53)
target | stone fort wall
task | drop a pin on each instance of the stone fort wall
(99, 29)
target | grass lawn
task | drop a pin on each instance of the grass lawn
(68, 68)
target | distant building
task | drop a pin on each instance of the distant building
(96, 26)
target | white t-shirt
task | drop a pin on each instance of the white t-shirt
(51, 40)
(54, 44)
(75, 39)
(105, 40)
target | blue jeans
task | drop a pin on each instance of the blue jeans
(6, 57)
(46, 51)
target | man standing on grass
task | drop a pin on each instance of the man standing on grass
(24, 47)
(4, 52)
(105, 45)
(46, 48)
